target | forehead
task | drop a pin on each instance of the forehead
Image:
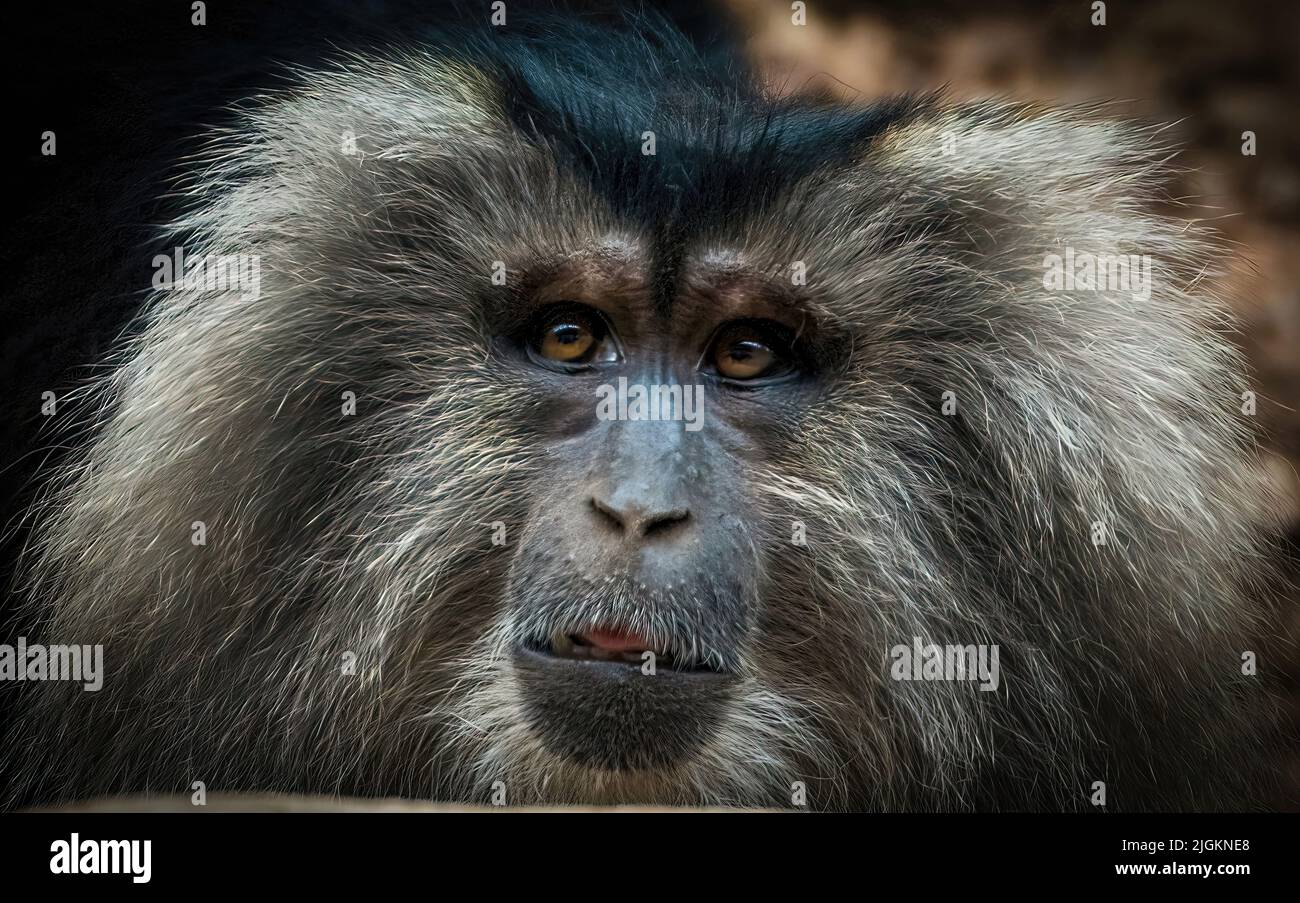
(618, 275)
(678, 147)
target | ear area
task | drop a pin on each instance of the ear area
(393, 106)
(1016, 185)
(1071, 157)
(1066, 210)
(318, 153)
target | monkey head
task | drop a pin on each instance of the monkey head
(602, 421)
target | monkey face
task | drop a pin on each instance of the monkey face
(636, 582)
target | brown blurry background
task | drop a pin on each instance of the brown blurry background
(1214, 70)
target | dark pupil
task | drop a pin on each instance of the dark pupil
(568, 333)
(743, 351)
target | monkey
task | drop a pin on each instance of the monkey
(361, 529)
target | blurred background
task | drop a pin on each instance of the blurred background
(1212, 70)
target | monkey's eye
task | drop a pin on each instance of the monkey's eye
(746, 351)
(573, 335)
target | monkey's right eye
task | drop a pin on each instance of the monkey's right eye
(573, 336)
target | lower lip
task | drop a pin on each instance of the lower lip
(616, 667)
(612, 715)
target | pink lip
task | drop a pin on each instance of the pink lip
(615, 641)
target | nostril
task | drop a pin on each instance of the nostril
(606, 513)
(635, 520)
(665, 522)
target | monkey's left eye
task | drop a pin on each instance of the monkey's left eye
(573, 335)
(750, 351)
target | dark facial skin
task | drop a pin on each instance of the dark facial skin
(644, 531)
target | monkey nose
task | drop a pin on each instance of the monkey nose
(638, 520)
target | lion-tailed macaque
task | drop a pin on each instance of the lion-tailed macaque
(557, 414)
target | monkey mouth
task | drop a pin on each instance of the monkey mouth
(613, 700)
(617, 646)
